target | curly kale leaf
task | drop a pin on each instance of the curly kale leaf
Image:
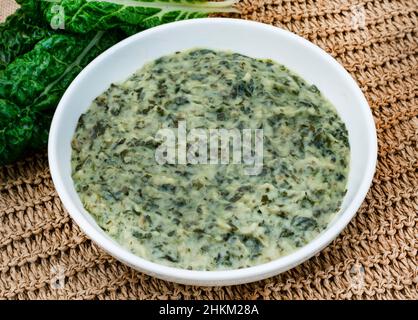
(83, 16)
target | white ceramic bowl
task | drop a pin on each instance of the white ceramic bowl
(249, 38)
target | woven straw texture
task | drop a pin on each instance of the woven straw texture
(44, 255)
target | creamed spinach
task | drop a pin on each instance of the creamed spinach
(211, 216)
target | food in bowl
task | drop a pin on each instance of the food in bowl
(204, 216)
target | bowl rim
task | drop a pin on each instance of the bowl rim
(217, 277)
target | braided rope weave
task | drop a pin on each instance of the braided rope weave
(44, 255)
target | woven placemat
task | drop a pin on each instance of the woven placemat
(43, 254)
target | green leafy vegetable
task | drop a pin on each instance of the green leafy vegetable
(39, 77)
(31, 86)
(19, 34)
(37, 63)
(83, 16)
(21, 130)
